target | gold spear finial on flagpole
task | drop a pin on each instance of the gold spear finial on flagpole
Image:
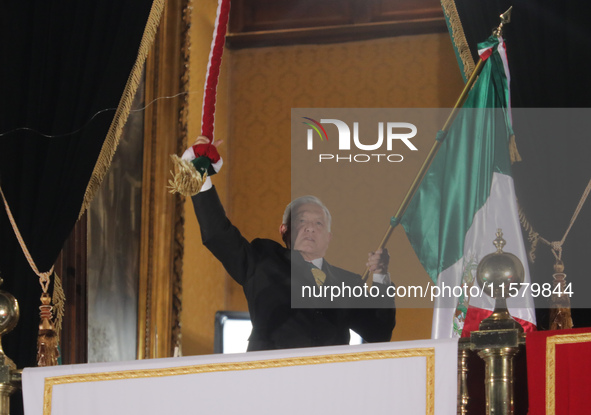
(505, 18)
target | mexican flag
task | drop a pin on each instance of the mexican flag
(465, 197)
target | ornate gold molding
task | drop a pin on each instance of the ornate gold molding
(335, 34)
(165, 133)
(179, 244)
(551, 343)
(427, 352)
(286, 24)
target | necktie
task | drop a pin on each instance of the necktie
(319, 275)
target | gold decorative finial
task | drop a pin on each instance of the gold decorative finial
(9, 375)
(499, 242)
(495, 273)
(9, 315)
(505, 18)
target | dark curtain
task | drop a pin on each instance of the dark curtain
(549, 50)
(64, 67)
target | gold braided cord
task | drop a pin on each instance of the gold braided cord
(458, 36)
(556, 246)
(43, 276)
(114, 134)
(47, 339)
(577, 210)
(532, 235)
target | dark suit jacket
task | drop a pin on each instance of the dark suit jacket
(264, 269)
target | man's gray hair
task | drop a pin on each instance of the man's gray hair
(302, 201)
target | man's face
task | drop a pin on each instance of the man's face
(309, 231)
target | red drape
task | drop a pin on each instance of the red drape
(559, 372)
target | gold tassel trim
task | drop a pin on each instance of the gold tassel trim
(513, 153)
(114, 134)
(560, 314)
(47, 341)
(59, 303)
(459, 37)
(560, 319)
(186, 181)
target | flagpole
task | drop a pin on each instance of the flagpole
(505, 18)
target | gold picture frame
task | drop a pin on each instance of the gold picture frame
(165, 133)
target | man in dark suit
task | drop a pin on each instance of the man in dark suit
(272, 276)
